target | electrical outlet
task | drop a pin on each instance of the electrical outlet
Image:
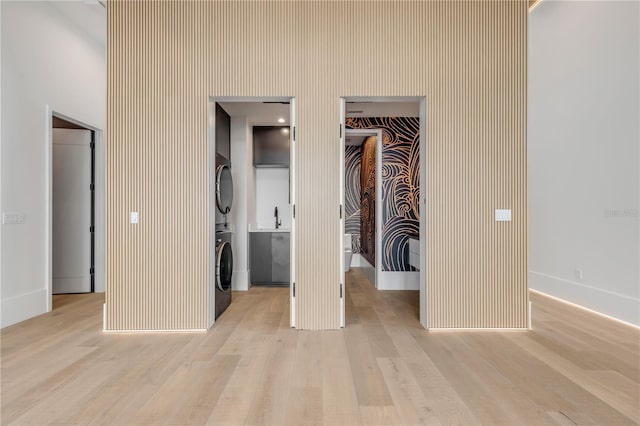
(133, 217)
(14, 218)
(578, 274)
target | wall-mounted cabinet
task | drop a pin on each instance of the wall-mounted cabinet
(223, 132)
(271, 146)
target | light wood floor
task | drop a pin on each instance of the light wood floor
(383, 368)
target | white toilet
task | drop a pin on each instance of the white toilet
(348, 252)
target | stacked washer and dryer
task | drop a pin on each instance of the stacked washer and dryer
(224, 253)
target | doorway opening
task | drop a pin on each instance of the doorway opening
(360, 208)
(75, 209)
(256, 138)
(382, 189)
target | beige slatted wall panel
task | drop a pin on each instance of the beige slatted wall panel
(166, 58)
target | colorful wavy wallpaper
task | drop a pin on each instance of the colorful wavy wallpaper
(400, 188)
(352, 195)
(368, 199)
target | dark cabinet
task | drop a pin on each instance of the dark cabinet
(271, 146)
(260, 257)
(269, 257)
(223, 132)
(280, 257)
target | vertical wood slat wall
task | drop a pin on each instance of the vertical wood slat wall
(166, 58)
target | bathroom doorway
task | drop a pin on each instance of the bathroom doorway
(382, 230)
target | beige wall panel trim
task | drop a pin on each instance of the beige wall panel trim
(167, 58)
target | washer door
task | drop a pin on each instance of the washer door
(224, 266)
(224, 188)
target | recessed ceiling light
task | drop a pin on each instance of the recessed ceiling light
(280, 120)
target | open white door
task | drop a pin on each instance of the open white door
(292, 191)
(211, 188)
(71, 211)
(342, 289)
(423, 213)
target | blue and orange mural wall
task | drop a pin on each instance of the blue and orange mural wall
(352, 195)
(400, 180)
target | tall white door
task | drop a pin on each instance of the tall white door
(292, 191)
(343, 131)
(71, 210)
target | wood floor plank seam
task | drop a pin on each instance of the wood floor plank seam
(383, 368)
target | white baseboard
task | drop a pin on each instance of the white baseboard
(387, 280)
(144, 331)
(405, 280)
(618, 306)
(369, 271)
(240, 281)
(22, 307)
(358, 261)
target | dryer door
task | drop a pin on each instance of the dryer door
(224, 266)
(224, 189)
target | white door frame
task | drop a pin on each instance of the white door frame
(211, 191)
(423, 193)
(100, 206)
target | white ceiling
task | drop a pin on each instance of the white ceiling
(258, 113)
(89, 15)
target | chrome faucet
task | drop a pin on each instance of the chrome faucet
(278, 221)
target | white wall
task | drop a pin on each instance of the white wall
(272, 189)
(584, 154)
(47, 60)
(243, 196)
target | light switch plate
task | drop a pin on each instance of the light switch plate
(503, 215)
(11, 218)
(133, 217)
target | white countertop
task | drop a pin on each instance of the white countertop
(256, 229)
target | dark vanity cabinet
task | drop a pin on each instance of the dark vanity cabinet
(271, 146)
(280, 261)
(269, 258)
(260, 257)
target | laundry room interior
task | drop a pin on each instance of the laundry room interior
(253, 139)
